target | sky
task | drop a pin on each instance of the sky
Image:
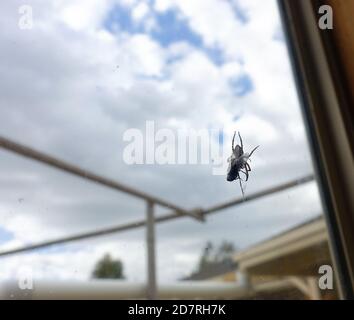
(87, 71)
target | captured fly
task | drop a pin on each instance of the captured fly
(238, 162)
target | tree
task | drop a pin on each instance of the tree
(107, 268)
(225, 251)
(205, 258)
(213, 255)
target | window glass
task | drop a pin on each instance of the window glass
(150, 93)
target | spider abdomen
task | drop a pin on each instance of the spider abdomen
(234, 170)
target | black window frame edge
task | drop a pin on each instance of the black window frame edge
(295, 21)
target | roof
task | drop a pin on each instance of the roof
(298, 251)
(258, 249)
(296, 227)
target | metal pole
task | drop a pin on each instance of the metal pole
(150, 242)
(65, 166)
(161, 218)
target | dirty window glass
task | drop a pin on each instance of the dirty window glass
(149, 94)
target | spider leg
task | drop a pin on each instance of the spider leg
(248, 168)
(245, 173)
(233, 141)
(253, 151)
(240, 140)
(243, 194)
(238, 177)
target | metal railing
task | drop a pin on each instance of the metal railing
(178, 212)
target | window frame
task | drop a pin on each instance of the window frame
(320, 84)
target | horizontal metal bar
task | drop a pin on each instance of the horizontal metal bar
(259, 194)
(166, 217)
(59, 164)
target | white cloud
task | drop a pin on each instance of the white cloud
(82, 15)
(140, 11)
(146, 54)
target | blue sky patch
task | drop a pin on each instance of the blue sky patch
(216, 55)
(221, 137)
(239, 13)
(5, 235)
(119, 19)
(241, 85)
(172, 29)
(237, 117)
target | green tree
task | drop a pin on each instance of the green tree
(212, 255)
(225, 251)
(205, 258)
(107, 268)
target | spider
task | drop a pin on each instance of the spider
(238, 162)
